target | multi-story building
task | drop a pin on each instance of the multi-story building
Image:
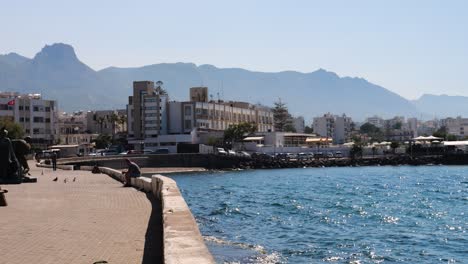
(216, 116)
(332, 126)
(106, 121)
(456, 126)
(146, 112)
(74, 130)
(299, 124)
(376, 121)
(38, 117)
(154, 122)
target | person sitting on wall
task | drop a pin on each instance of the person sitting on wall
(132, 172)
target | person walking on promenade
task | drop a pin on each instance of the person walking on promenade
(133, 171)
(54, 160)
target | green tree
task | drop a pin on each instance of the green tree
(394, 145)
(15, 131)
(237, 132)
(372, 131)
(356, 149)
(397, 125)
(112, 119)
(281, 118)
(100, 120)
(103, 141)
(308, 130)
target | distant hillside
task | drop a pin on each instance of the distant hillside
(442, 105)
(57, 73)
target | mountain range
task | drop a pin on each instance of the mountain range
(58, 74)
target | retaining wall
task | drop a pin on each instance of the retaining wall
(210, 161)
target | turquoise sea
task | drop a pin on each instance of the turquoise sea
(385, 214)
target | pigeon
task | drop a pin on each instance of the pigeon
(74, 179)
(56, 178)
(65, 181)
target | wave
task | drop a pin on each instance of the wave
(261, 256)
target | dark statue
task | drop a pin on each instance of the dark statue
(9, 167)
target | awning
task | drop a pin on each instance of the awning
(63, 146)
(456, 143)
(427, 138)
(253, 138)
(318, 140)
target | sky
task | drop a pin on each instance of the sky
(409, 47)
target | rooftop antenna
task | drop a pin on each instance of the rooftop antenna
(222, 89)
(218, 97)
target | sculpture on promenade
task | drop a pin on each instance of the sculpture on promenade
(22, 148)
(9, 167)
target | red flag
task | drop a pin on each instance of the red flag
(12, 102)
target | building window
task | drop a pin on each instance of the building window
(26, 108)
(21, 119)
(47, 120)
(36, 108)
(38, 119)
(27, 119)
(20, 107)
(36, 131)
(188, 124)
(188, 110)
(47, 109)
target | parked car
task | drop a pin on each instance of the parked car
(221, 151)
(161, 151)
(302, 156)
(319, 155)
(338, 154)
(330, 155)
(231, 152)
(243, 154)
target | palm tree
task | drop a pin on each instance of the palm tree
(100, 120)
(121, 121)
(113, 118)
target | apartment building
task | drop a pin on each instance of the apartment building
(338, 128)
(456, 126)
(38, 117)
(155, 122)
(298, 124)
(376, 121)
(106, 121)
(74, 129)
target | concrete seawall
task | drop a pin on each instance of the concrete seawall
(209, 161)
(182, 240)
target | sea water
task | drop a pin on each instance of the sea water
(332, 215)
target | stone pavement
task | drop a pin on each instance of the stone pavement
(89, 220)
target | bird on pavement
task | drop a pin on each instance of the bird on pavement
(74, 179)
(65, 181)
(56, 178)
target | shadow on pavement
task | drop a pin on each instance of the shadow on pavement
(153, 239)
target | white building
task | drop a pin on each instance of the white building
(332, 126)
(154, 123)
(456, 126)
(376, 121)
(38, 117)
(299, 124)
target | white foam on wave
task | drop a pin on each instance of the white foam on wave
(263, 258)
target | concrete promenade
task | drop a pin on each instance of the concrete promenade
(84, 221)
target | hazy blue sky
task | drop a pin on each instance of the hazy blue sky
(410, 47)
